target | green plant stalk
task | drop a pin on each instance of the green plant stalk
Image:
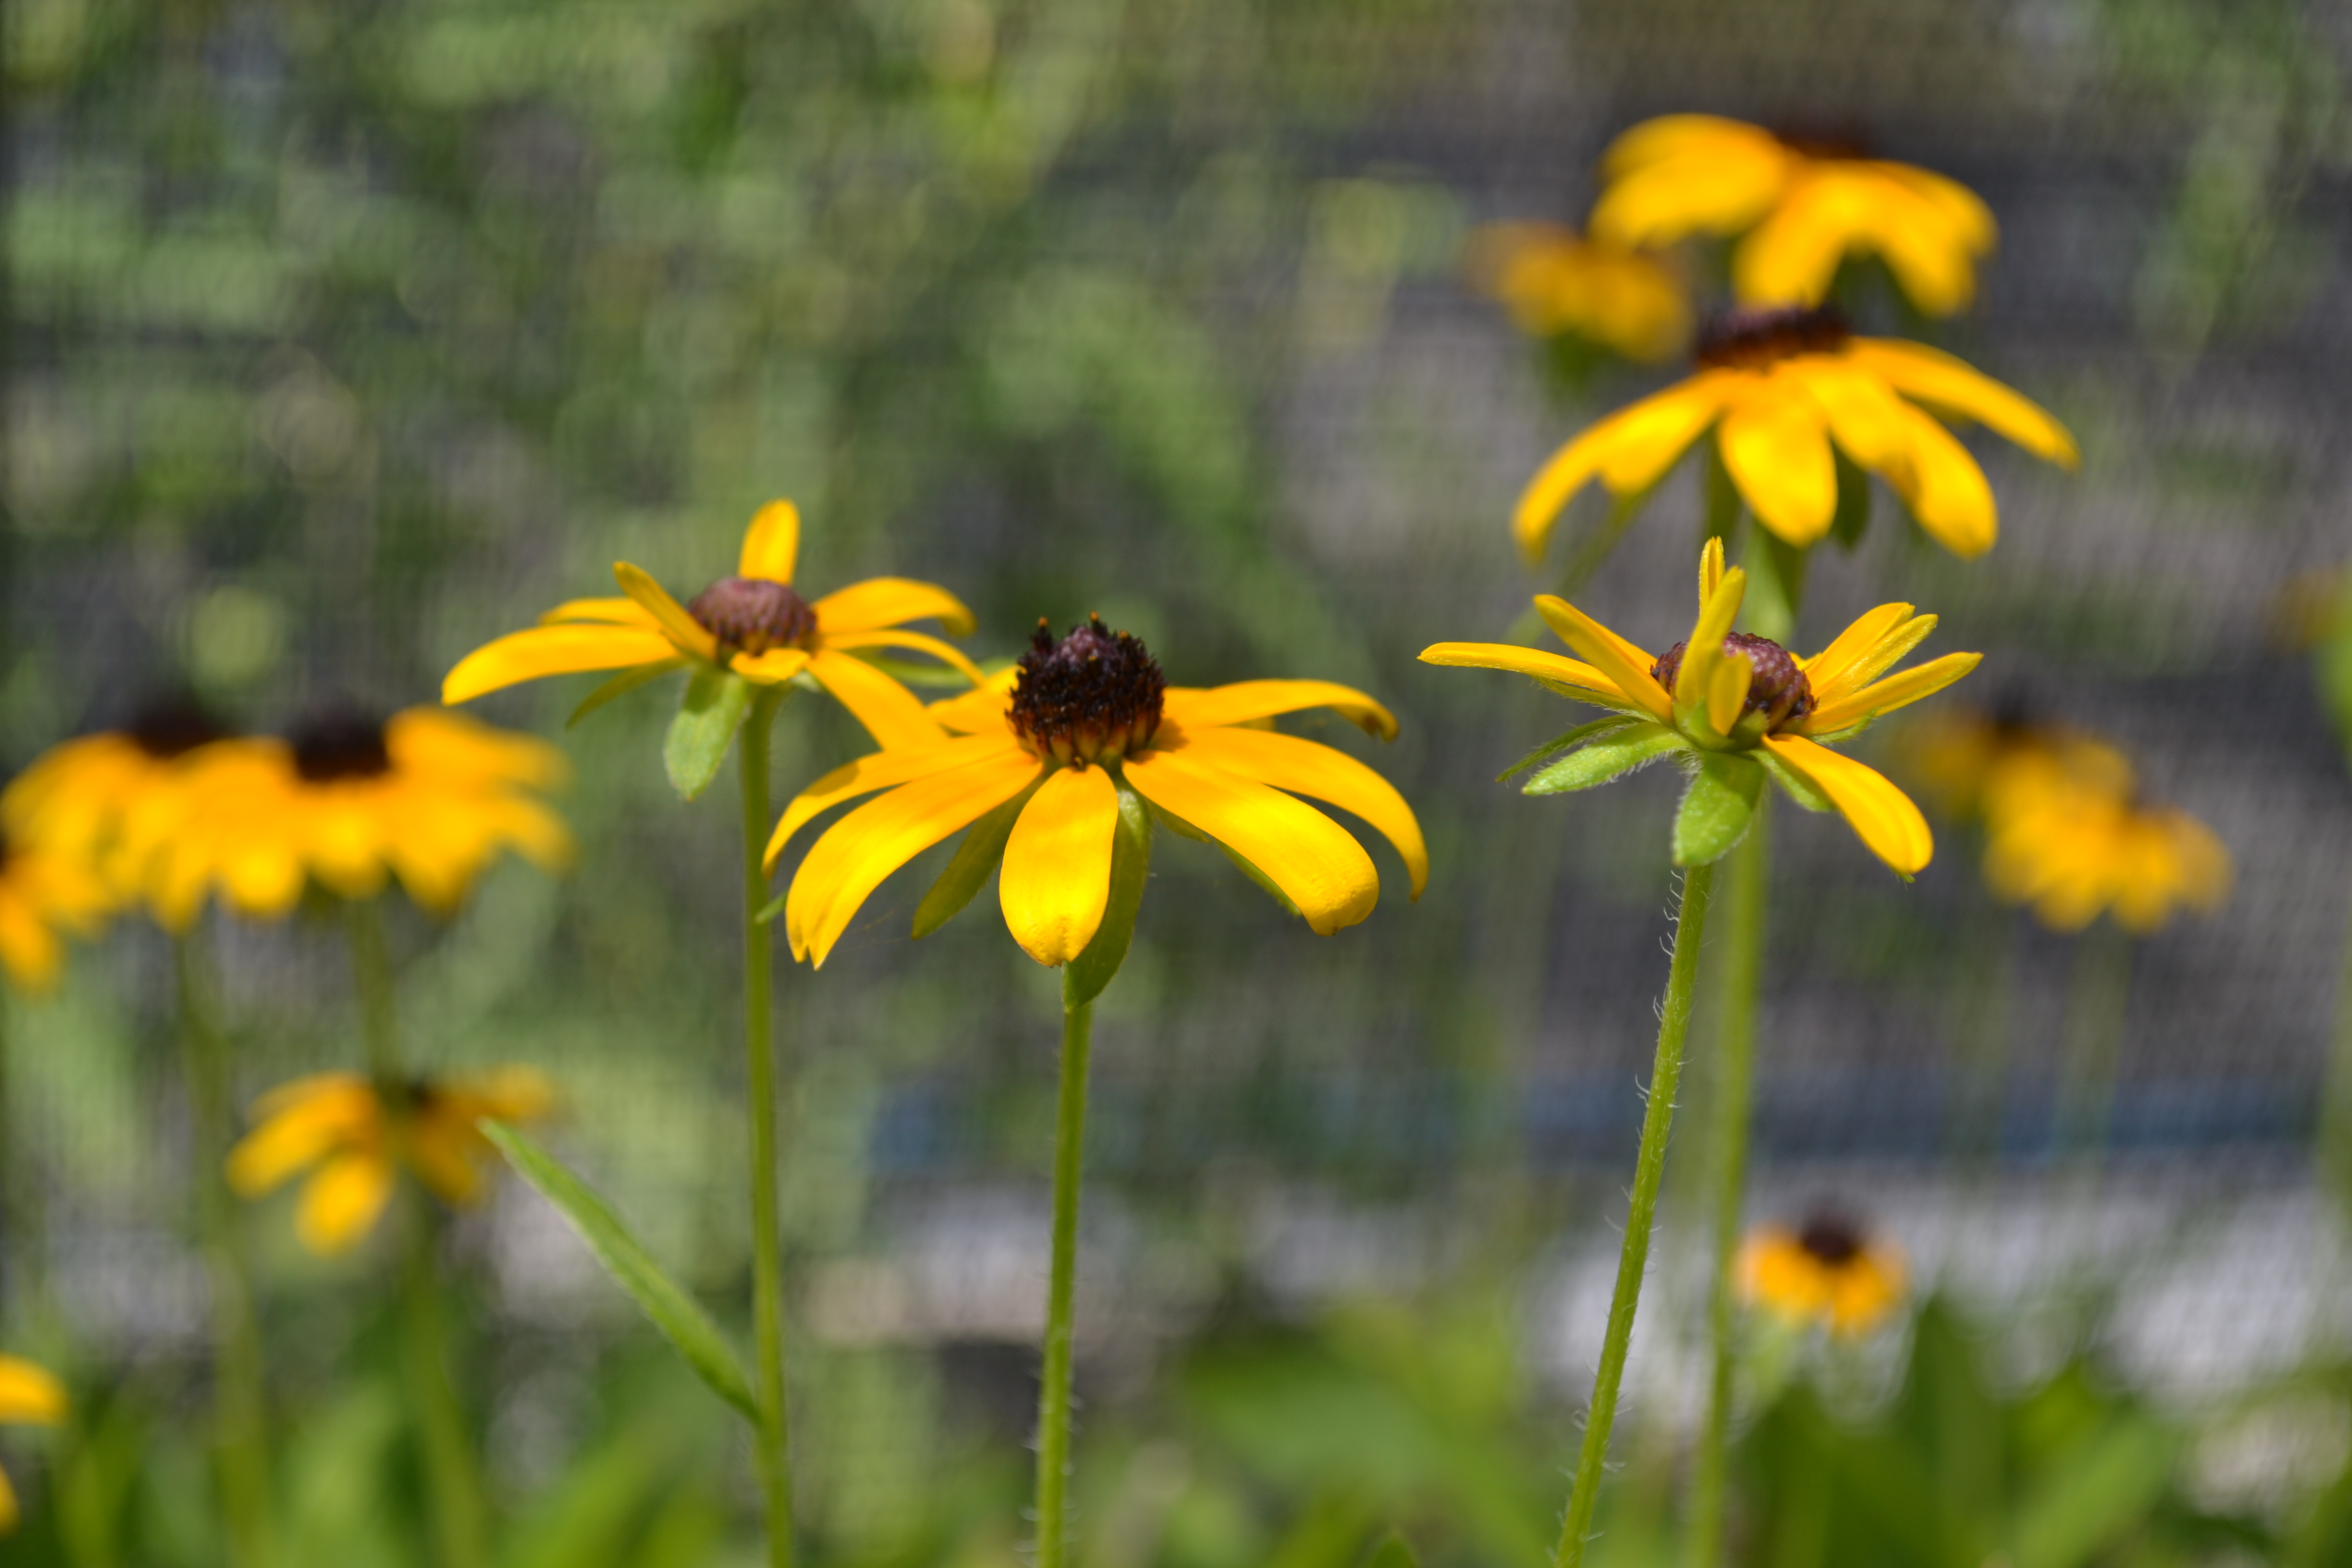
(453, 1478)
(20, 1203)
(1634, 1257)
(1053, 1390)
(1988, 1004)
(2336, 1106)
(240, 1405)
(773, 1438)
(2097, 1008)
(1732, 1091)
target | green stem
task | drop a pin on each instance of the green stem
(1632, 1258)
(2097, 1007)
(1987, 1008)
(453, 1480)
(1054, 1392)
(1732, 1090)
(2335, 1105)
(240, 1406)
(773, 1437)
(20, 1214)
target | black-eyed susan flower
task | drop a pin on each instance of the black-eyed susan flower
(1735, 709)
(46, 896)
(754, 624)
(29, 1396)
(2069, 836)
(351, 802)
(1805, 207)
(83, 796)
(1829, 1271)
(1043, 761)
(1556, 284)
(1778, 388)
(339, 1128)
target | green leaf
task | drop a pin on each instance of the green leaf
(621, 685)
(1393, 1552)
(678, 1315)
(1576, 737)
(2106, 1485)
(1852, 519)
(1797, 786)
(707, 717)
(1613, 757)
(975, 857)
(1130, 865)
(1717, 809)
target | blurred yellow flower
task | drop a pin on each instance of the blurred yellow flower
(2068, 835)
(1054, 742)
(1554, 283)
(337, 1127)
(752, 623)
(29, 1396)
(427, 796)
(43, 895)
(1720, 691)
(1959, 756)
(1829, 1271)
(1777, 387)
(1804, 208)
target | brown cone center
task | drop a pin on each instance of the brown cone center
(1777, 688)
(338, 746)
(752, 615)
(1094, 695)
(1832, 1238)
(1755, 339)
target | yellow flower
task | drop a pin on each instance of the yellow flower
(1554, 283)
(2069, 834)
(753, 624)
(427, 796)
(1829, 1271)
(1777, 387)
(28, 1397)
(1804, 209)
(336, 1126)
(43, 893)
(1720, 698)
(1961, 755)
(1054, 743)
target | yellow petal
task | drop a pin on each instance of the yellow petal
(1569, 677)
(1319, 867)
(1727, 691)
(1828, 667)
(857, 854)
(1703, 650)
(552, 650)
(1672, 135)
(1198, 708)
(446, 1154)
(1779, 456)
(1684, 174)
(945, 652)
(888, 601)
(1627, 667)
(1895, 691)
(1935, 377)
(772, 545)
(300, 1124)
(893, 715)
(1946, 490)
(617, 612)
(1304, 767)
(1882, 815)
(1970, 221)
(1931, 262)
(1873, 661)
(881, 769)
(1864, 415)
(342, 1204)
(1628, 450)
(689, 635)
(1791, 257)
(981, 712)
(1055, 880)
(773, 668)
(1711, 568)
(30, 1395)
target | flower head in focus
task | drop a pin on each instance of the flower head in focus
(1082, 737)
(339, 1128)
(1828, 1272)
(2068, 833)
(1735, 709)
(1555, 284)
(1804, 206)
(46, 895)
(29, 1396)
(754, 624)
(1779, 387)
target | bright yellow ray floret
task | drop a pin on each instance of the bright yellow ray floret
(29, 1396)
(1553, 282)
(2067, 833)
(46, 896)
(1826, 1272)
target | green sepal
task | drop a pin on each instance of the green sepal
(1177, 824)
(712, 710)
(1248, 867)
(1083, 977)
(1611, 757)
(621, 685)
(975, 857)
(1851, 522)
(1392, 1550)
(1576, 737)
(1794, 784)
(772, 908)
(1717, 808)
(664, 1301)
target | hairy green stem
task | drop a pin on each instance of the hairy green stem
(1053, 1390)
(773, 1437)
(1634, 1257)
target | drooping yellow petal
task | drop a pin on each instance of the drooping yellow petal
(979, 711)
(1627, 667)
(1683, 174)
(1931, 263)
(1864, 415)
(945, 652)
(1895, 691)
(1318, 866)
(1727, 691)
(1628, 451)
(342, 1204)
(1880, 814)
(691, 636)
(618, 612)
(881, 769)
(300, 1124)
(1945, 490)
(888, 601)
(30, 1395)
(552, 650)
(893, 715)
(772, 545)
(1970, 221)
(1778, 456)
(1875, 661)
(1198, 708)
(1936, 378)
(1569, 677)
(1703, 650)
(1055, 879)
(1304, 767)
(773, 667)
(1827, 668)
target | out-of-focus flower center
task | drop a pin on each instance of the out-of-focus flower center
(339, 746)
(1831, 1239)
(752, 615)
(172, 728)
(1823, 143)
(1759, 338)
(1094, 696)
(1776, 687)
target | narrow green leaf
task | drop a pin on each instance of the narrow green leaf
(621, 685)
(1613, 757)
(1716, 808)
(1851, 522)
(664, 1301)
(1393, 1551)
(1796, 786)
(2101, 1489)
(707, 717)
(1576, 737)
(975, 857)
(773, 908)
(1130, 865)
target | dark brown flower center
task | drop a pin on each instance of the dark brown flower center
(1823, 141)
(752, 615)
(1094, 696)
(339, 745)
(1755, 338)
(1832, 1238)
(173, 728)
(1776, 687)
